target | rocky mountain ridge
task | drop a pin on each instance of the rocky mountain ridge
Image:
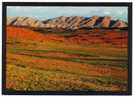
(67, 22)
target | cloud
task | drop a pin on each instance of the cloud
(107, 12)
(47, 12)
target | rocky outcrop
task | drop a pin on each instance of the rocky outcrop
(77, 22)
(72, 22)
(119, 24)
(89, 22)
(68, 22)
(105, 22)
(24, 21)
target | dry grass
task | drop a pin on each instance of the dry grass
(19, 78)
(40, 62)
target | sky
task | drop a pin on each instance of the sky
(47, 12)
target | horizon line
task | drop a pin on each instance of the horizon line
(37, 18)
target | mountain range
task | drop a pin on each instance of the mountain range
(68, 22)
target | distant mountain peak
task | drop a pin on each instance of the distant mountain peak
(68, 22)
(24, 21)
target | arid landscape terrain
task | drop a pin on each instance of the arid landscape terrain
(71, 53)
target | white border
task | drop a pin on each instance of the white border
(3, 97)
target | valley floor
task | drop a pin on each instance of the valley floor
(34, 65)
